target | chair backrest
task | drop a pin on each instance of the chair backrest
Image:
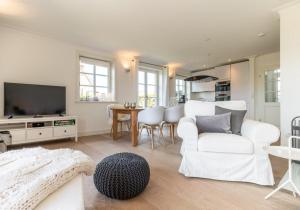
(151, 116)
(109, 111)
(204, 108)
(174, 113)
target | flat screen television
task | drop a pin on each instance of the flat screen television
(33, 100)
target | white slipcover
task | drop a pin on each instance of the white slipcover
(226, 156)
(224, 143)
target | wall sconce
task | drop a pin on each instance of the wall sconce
(128, 66)
(127, 69)
(171, 73)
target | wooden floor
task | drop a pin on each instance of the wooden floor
(168, 189)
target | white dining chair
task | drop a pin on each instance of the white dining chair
(172, 115)
(151, 119)
(122, 118)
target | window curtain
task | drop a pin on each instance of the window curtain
(164, 87)
(134, 76)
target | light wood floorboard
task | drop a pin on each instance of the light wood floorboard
(169, 190)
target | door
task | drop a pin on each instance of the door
(148, 88)
(272, 96)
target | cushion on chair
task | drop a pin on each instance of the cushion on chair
(237, 118)
(224, 143)
(204, 108)
(214, 124)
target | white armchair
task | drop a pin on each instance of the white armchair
(226, 156)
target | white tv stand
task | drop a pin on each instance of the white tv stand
(22, 130)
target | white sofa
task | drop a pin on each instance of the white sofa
(226, 156)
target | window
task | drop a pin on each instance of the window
(272, 86)
(148, 88)
(180, 88)
(95, 80)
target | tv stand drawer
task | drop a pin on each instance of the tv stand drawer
(39, 133)
(18, 136)
(61, 131)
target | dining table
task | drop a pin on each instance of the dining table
(133, 112)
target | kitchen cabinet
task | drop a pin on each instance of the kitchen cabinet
(240, 82)
(210, 72)
(222, 72)
(198, 86)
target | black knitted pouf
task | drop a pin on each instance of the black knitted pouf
(122, 175)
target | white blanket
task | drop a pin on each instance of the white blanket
(28, 176)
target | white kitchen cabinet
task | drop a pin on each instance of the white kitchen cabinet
(222, 72)
(209, 72)
(240, 83)
(198, 86)
(195, 87)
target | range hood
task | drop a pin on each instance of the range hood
(201, 78)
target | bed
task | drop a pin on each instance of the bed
(41, 179)
(69, 196)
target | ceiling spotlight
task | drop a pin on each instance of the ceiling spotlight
(229, 60)
(204, 66)
(261, 34)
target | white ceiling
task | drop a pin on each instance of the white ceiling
(192, 33)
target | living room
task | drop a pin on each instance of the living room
(118, 65)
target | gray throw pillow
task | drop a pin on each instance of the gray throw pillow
(237, 118)
(214, 124)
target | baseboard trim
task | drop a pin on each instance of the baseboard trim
(93, 133)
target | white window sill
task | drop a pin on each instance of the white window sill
(95, 102)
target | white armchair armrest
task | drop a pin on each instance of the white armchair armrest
(188, 131)
(260, 133)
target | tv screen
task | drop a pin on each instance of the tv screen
(28, 99)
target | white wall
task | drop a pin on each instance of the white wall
(290, 65)
(241, 84)
(28, 58)
(263, 112)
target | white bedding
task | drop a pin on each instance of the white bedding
(69, 196)
(29, 176)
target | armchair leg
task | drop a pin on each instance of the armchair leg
(121, 128)
(128, 126)
(161, 131)
(172, 126)
(152, 137)
(111, 130)
(141, 127)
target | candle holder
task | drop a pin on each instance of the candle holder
(126, 105)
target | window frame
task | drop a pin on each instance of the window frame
(277, 92)
(93, 61)
(146, 97)
(177, 86)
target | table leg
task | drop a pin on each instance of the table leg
(277, 189)
(115, 124)
(134, 128)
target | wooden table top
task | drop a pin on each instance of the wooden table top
(127, 109)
